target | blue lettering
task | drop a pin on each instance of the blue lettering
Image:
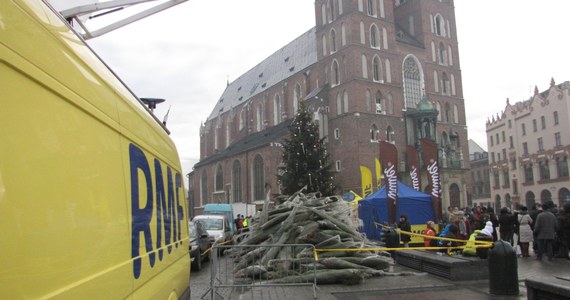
(141, 217)
(169, 211)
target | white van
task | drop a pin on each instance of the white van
(218, 228)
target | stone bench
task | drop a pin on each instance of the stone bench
(455, 268)
(547, 288)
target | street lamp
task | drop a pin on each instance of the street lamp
(152, 102)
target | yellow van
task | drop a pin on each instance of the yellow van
(91, 192)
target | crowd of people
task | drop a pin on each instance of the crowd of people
(242, 222)
(545, 228)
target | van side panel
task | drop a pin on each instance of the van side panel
(73, 197)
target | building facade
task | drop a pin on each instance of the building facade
(363, 69)
(529, 145)
(481, 188)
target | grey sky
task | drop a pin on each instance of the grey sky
(186, 54)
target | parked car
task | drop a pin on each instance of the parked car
(218, 228)
(199, 244)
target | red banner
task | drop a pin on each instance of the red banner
(389, 161)
(414, 167)
(431, 163)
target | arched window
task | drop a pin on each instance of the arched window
(343, 34)
(439, 25)
(324, 45)
(204, 188)
(454, 195)
(241, 119)
(335, 73)
(374, 133)
(374, 37)
(377, 69)
(236, 181)
(563, 196)
(333, 40)
(442, 54)
(447, 113)
(362, 34)
(372, 7)
(367, 98)
(258, 178)
(545, 195)
(388, 71)
(296, 97)
(529, 199)
(345, 98)
(379, 102)
(219, 178)
(364, 66)
(258, 124)
(455, 114)
(338, 104)
(332, 10)
(413, 82)
(389, 104)
(390, 134)
(277, 110)
(444, 84)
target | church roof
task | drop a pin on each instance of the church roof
(255, 140)
(286, 62)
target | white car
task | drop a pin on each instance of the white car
(218, 228)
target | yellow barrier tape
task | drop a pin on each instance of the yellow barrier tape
(210, 249)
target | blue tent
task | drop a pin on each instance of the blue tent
(374, 208)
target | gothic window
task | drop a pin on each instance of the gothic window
(364, 66)
(277, 109)
(374, 37)
(219, 178)
(412, 82)
(258, 178)
(296, 97)
(447, 113)
(455, 114)
(439, 25)
(374, 133)
(388, 71)
(335, 73)
(343, 34)
(338, 104)
(445, 84)
(389, 104)
(204, 188)
(379, 104)
(442, 54)
(236, 178)
(367, 98)
(333, 40)
(377, 68)
(324, 14)
(390, 134)
(372, 7)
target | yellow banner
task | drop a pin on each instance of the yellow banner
(378, 173)
(366, 179)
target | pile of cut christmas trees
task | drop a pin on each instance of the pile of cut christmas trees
(324, 222)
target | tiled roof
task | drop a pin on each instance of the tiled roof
(287, 61)
(270, 135)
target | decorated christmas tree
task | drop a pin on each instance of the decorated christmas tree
(305, 158)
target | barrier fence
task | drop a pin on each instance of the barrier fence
(234, 268)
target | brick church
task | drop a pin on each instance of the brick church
(370, 71)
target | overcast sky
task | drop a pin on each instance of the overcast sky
(187, 54)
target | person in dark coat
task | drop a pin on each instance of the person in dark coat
(564, 231)
(535, 211)
(507, 224)
(405, 225)
(545, 230)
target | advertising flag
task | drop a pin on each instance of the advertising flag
(414, 167)
(378, 173)
(366, 180)
(431, 163)
(389, 160)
